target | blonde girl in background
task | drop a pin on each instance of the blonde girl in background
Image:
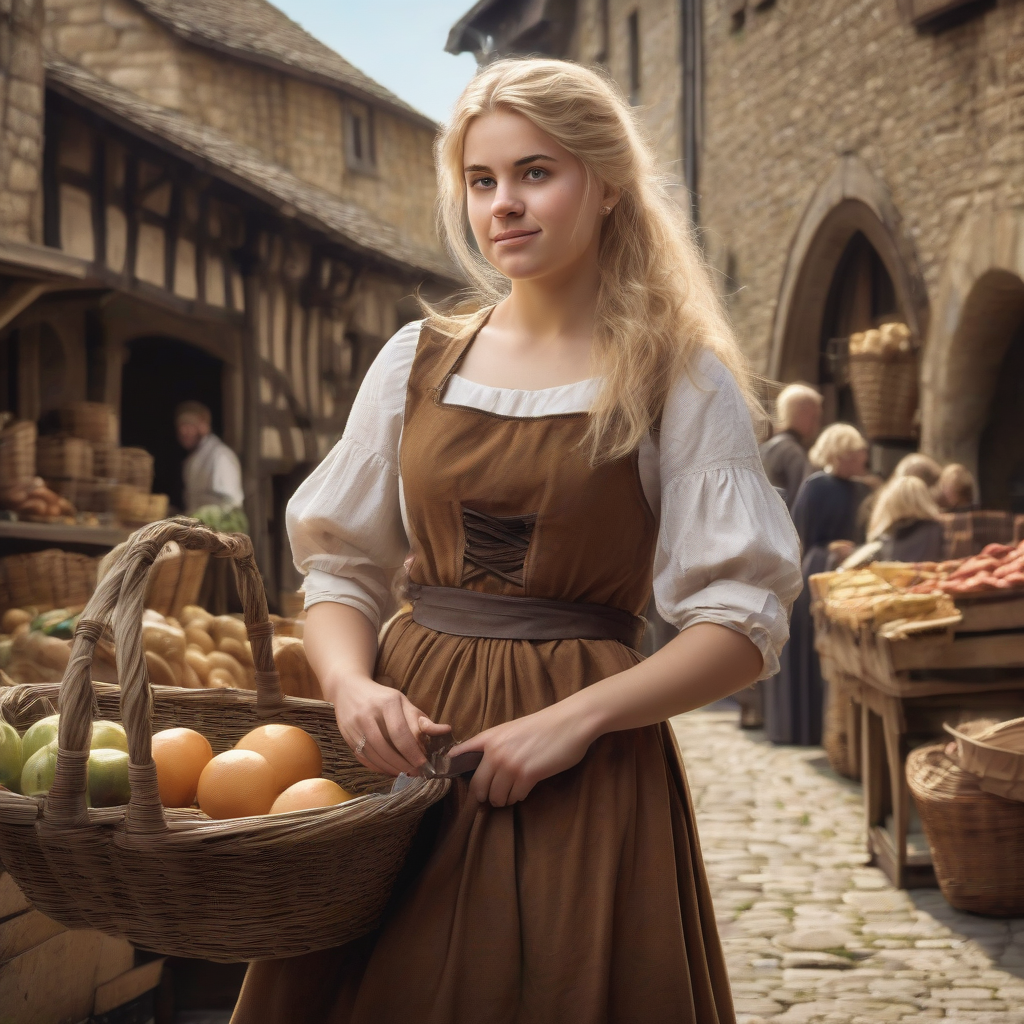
(825, 511)
(585, 435)
(905, 520)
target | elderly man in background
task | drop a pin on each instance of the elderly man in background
(212, 474)
(797, 422)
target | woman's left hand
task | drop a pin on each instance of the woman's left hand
(523, 752)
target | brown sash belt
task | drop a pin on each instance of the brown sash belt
(471, 613)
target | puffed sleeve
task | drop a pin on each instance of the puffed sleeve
(727, 550)
(345, 520)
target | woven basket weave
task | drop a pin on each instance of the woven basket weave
(977, 839)
(994, 754)
(59, 456)
(17, 453)
(136, 468)
(885, 392)
(176, 882)
(93, 421)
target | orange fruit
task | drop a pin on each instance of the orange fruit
(237, 784)
(310, 793)
(180, 756)
(291, 751)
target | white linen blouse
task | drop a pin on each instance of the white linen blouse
(727, 550)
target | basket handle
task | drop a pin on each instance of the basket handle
(130, 575)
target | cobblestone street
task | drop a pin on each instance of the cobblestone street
(812, 934)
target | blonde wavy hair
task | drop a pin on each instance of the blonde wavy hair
(903, 497)
(833, 443)
(657, 305)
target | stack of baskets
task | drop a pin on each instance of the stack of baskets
(17, 457)
(883, 370)
(174, 881)
(970, 797)
(86, 465)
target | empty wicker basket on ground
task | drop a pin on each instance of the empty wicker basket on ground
(883, 373)
(174, 881)
(976, 839)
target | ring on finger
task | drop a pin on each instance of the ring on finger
(361, 744)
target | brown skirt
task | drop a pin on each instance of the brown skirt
(587, 902)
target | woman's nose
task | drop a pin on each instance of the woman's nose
(507, 205)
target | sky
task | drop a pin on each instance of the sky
(400, 43)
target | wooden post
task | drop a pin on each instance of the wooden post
(252, 479)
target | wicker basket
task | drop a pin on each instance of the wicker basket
(60, 456)
(885, 393)
(977, 839)
(136, 507)
(92, 421)
(841, 748)
(17, 453)
(994, 754)
(86, 495)
(136, 468)
(46, 579)
(106, 460)
(176, 579)
(174, 881)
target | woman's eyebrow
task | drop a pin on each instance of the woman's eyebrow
(531, 159)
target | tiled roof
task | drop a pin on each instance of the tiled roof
(248, 170)
(257, 30)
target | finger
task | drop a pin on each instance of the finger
(380, 750)
(429, 728)
(520, 791)
(478, 742)
(501, 787)
(401, 726)
(480, 787)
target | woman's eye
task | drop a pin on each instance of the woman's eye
(483, 182)
(536, 173)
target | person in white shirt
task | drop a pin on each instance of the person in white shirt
(212, 473)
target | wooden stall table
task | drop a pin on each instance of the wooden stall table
(906, 689)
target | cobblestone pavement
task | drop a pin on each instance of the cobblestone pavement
(812, 934)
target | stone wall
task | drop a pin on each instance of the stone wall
(292, 122)
(21, 120)
(937, 118)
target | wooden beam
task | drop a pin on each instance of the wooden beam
(18, 297)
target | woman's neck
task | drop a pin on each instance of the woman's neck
(556, 308)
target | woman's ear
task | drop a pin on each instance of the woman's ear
(610, 199)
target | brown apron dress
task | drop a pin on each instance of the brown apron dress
(587, 902)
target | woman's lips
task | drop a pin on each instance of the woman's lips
(512, 238)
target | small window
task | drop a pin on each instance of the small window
(633, 31)
(360, 148)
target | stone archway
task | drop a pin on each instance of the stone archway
(849, 201)
(979, 311)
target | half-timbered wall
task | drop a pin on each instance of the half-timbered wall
(294, 123)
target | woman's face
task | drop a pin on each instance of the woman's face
(853, 463)
(527, 198)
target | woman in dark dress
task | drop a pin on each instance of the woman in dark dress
(825, 510)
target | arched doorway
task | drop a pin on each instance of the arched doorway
(1001, 452)
(159, 374)
(860, 296)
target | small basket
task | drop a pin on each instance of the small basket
(176, 579)
(106, 460)
(96, 496)
(174, 881)
(136, 507)
(17, 453)
(46, 579)
(136, 468)
(885, 393)
(92, 421)
(67, 457)
(994, 754)
(976, 838)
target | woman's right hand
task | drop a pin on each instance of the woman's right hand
(385, 730)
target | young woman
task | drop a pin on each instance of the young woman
(588, 430)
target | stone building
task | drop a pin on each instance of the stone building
(848, 162)
(198, 199)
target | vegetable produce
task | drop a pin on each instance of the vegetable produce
(10, 757)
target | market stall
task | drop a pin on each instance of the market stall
(907, 649)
